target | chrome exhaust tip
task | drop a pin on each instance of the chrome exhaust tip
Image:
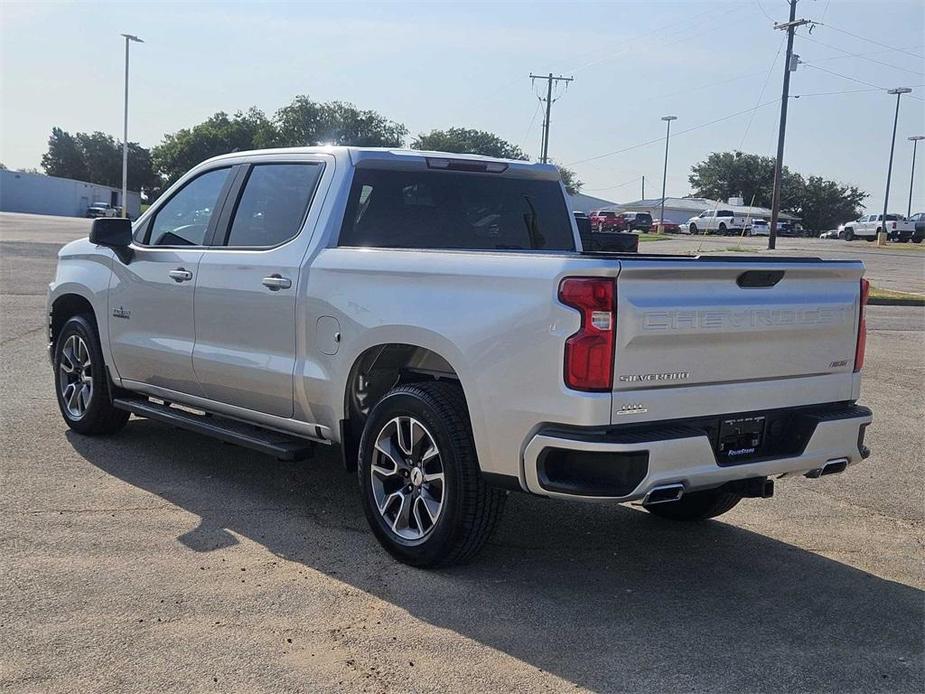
(831, 467)
(663, 494)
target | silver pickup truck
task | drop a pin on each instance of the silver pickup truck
(435, 317)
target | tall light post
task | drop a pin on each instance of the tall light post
(915, 142)
(661, 214)
(128, 38)
(881, 237)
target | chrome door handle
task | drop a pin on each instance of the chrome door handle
(277, 282)
(180, 275)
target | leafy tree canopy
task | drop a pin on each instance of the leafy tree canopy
(468, 141)
(822, 204)
(97, 158)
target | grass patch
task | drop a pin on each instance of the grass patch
(144, 207)
(644, 238)
(890, 297)
(739, 249)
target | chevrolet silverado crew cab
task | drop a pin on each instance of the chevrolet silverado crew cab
(434, 316)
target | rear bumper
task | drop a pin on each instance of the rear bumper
(626, 464)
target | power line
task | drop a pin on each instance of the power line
(876, 43)
(680, 132)
(862, 56)
(845, 77)
(619, 185)
(764, 86)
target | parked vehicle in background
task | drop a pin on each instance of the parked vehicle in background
(719, 221)
(101, 209)
(607, 220)
(436, 317)
(668, 226)
(637, 221)
(868, 226)
(759, 227)
(604, 241)
(919, 220)
(830, 234)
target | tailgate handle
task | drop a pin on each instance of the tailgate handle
(760, 278)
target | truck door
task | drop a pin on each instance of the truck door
(246, 294)
(151, 298)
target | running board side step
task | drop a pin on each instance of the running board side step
(274, 443)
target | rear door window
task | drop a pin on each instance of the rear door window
(453, 210)
(273, 203)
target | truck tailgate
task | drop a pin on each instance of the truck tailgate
(702, 322)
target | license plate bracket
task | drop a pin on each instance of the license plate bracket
(740, 438)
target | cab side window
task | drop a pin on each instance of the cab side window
(184, 219)
(272, 206)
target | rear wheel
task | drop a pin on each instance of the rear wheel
(722, 229)
(696, 506)
(849, 234)
(81, 382)
(422, 488)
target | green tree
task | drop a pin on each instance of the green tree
(826, 204)
(306, 122)
(723, 175)
(572, 183)
(468, 141)
(64, 157)
(822, 204)
(220, 134)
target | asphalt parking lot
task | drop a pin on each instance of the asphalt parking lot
(160, 560)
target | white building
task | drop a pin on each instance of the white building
(679, 210)
(39, 194)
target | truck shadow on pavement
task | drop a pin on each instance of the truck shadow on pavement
(605, 597)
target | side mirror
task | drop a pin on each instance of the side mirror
(114, 233)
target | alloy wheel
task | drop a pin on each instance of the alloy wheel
(76, 376)
(407, 478)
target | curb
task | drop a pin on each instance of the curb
(884, 301)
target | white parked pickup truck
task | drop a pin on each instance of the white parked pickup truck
(868, 226)
(719, 221)
(435, 317)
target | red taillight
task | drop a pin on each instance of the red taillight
(589, 352)
(862, 327)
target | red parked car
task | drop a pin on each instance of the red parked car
(668, 227)
(607, 220)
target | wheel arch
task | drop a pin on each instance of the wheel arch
(375, 371)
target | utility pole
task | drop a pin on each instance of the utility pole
(789, 66)
(550, 79)
(915, 141)
(643, 188)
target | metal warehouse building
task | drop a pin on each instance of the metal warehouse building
(38, 194)
(679, 210)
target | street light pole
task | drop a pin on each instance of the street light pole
(128, 38)
(881, 236)
(915, 141)
(661, 214)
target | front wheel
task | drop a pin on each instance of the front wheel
(693, 229)
(696, 506)
(81, 382)
(423, 492)
(849, 234)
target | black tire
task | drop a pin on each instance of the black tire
(99, 416)
(469, 510)
(722, 229)
(696, 506)
(917, 239)
(849, 234)
(693, 228)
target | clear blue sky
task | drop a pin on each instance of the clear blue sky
(438, 65)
